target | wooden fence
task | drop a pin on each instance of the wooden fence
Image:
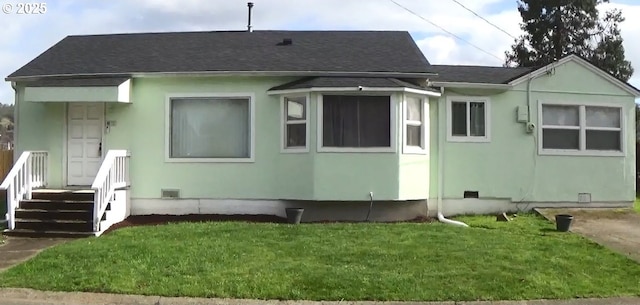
(6, 162)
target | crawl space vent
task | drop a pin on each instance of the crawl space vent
(170, 193)
(471, 194)
(584, 197)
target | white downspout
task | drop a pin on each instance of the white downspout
(441, 217)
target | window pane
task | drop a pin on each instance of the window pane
(296, 108)
(374, 121)
(560, 138)
(477, 119)
(339, 121)
(296, 135)
(459, 118)
(414, 135)
(414, 109)
(356, 121)
(603, 117)
(560, 115)
(603, 140)
(209, 128)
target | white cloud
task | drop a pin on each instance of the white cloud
(24, 37)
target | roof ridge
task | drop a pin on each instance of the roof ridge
(481, 66)
(238, 31)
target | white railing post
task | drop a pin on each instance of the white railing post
(28, 178)
(110, 177)
(11, 208)
(23, 177)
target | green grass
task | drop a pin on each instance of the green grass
(522, 259)
(636, 205)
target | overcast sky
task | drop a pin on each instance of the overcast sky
(26, 36)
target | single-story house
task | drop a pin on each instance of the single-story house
(345, 124)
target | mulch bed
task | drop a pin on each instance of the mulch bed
(152, 220)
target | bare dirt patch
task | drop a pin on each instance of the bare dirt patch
(617, 229)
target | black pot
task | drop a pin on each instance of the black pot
(563, 222)
(294, 215)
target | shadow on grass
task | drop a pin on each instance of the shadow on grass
(547, 230)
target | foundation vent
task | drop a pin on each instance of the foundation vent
(169, 193)
(471, 194)
(584, 197)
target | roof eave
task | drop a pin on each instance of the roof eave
(354, 89)
(234, 73)
(471, 85)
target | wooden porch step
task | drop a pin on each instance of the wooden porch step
(47, 214)
(46, 233)
(55, 225)
(44, 204)
(73, 195)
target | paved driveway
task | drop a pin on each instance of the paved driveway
(617, 229)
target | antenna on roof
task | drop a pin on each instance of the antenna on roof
(250, 5)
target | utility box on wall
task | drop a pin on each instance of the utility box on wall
(522, 114)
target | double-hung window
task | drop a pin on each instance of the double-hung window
(210, 129)
(295, 129)
(360, 122)
(415, 124)
(581, 129)
(468, 119)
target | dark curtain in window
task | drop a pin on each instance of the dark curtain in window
(356, 121)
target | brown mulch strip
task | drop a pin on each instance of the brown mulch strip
(151, 220)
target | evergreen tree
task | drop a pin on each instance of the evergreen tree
(555, 28)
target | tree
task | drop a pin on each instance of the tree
(556, 28)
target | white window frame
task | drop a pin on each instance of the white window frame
(284, 122)
(487, 119)
(582, 117)
(393, 101)
(252, 128)
(424, 124)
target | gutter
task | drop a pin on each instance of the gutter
(441, 217)
(471, 85)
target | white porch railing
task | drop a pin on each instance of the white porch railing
(113, 175)
(28, 173)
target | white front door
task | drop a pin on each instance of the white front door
(84, 142)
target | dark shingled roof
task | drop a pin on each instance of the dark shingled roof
(477, 74)
(333, 82)
(78, 82)
(238, 51)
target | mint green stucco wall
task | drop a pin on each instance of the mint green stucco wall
(509, 167)
(140, 128)
(41, 126)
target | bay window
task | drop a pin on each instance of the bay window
(415, 124)
(355, 121)
(295, 124)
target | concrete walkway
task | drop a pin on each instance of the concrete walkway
(16, 250)
(616, 229)
(32, 297)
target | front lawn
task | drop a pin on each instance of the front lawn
(523, 259)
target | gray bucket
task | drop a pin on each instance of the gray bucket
(563, 222)
(294, 215)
